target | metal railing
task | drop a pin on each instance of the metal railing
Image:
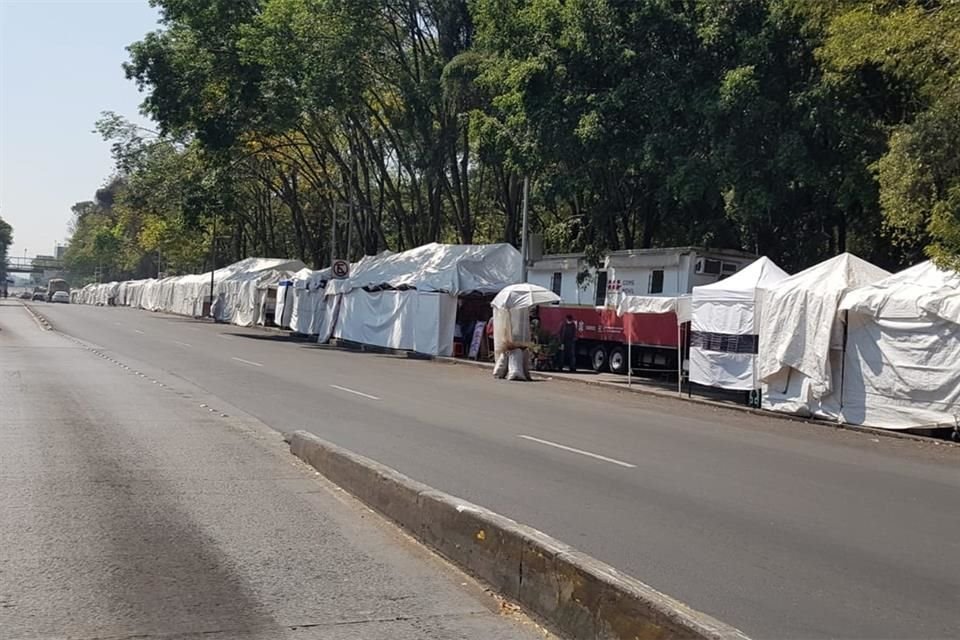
(33, 265)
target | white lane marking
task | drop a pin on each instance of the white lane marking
(356, 393)
(596, 456)
(140, 332)
(185, 345)
(250, 362)
(119, 324)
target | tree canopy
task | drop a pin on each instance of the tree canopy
(789, 128)
(6, 239)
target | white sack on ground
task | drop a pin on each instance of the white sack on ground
(903, 346)
(724, 339)
(801, 328)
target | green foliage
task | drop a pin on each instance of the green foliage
(791, 128)
(913, 49)
(6, 239)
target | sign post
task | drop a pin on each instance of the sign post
(340, 269)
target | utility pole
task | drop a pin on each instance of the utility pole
(213, 260)
(524, 246)
(333, 234)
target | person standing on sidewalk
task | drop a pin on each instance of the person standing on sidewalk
(568, 344)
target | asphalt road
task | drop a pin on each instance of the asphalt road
(134, 505)
(782, 529)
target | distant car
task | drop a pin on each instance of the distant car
(60, 296)
(25, 295)
(39, 295)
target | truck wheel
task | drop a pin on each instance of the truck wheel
(598, 359)
(618, 360)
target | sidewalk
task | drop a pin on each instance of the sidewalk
(136, 505)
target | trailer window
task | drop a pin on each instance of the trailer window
(601, 293)
(656, 281)
(556, 283)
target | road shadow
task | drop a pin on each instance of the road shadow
(269, 337)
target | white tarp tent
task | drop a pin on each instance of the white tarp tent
(408, 300)
(903, 346)
(724, 339)
(679, 305)
(240, 291)
(284, 309)
(307, 301)
(800, 358)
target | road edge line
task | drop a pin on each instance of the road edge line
(579, 596)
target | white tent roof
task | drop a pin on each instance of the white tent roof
(921, 291)
(798, 315)
(761, 273)
(310, 279)
(679, 305)
(453, 269)
(251, 269)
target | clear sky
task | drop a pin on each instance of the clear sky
(60, 66)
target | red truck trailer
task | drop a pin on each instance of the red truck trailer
(602, 337)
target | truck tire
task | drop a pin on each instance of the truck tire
(618, 360)
(599, 359)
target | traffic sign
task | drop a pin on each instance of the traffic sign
(341, 269)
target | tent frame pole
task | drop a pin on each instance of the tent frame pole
(679, 360)
(843, 362)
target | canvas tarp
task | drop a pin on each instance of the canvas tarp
(799, 360)
(450, 268)
(903, 346)
(680, 305)
(410, 320)
(304, 301)
(239, 291)
(724, 337)
(407, 318)
(284, 309)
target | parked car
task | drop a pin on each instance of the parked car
(60, 296)
(25, 295)
(39, 295)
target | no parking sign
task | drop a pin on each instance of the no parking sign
(341, 269)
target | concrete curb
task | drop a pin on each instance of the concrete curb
(39, 318)
(582, 598)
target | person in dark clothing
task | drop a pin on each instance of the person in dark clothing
(568, 344)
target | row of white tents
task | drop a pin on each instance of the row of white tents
(843, 340)
(405, 300)
(240, 291)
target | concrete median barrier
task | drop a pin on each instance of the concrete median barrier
(580, 597)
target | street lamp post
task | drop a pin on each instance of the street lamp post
(524, 244)
(213, 261)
